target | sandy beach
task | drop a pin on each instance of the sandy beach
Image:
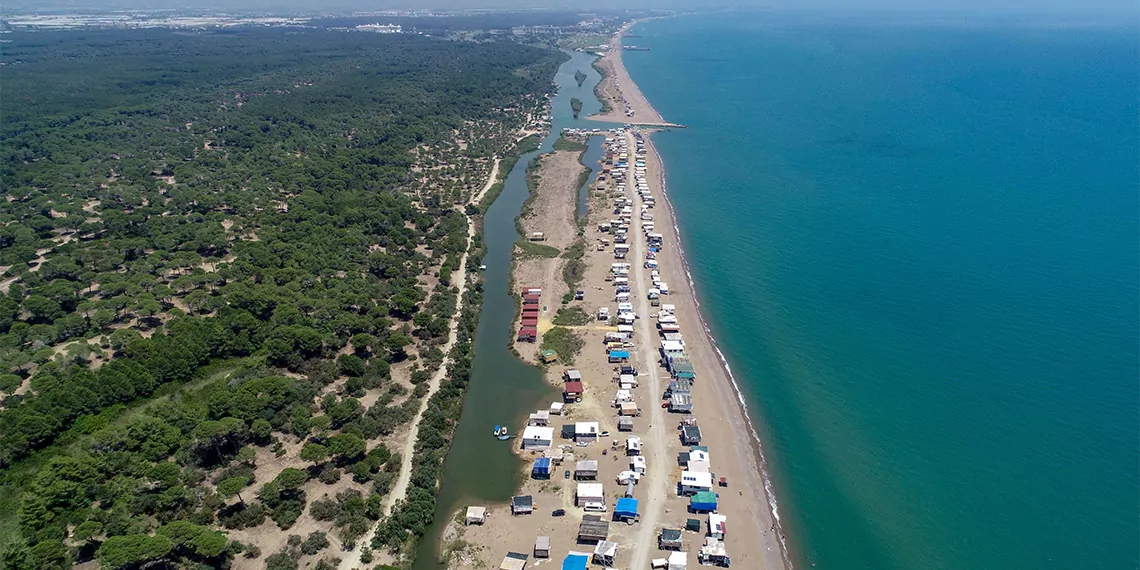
(716, 402)
(619, 90)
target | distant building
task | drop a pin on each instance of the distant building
(381, 28)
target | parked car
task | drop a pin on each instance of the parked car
(567, 474)
(558, 513)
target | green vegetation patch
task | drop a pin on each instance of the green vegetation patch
(598, 92)
(533, 250)
(564, 143)
(572, 317)
(574, 270)
(564, 341)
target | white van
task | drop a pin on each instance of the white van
(594, 507)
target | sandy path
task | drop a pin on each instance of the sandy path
(400, 489)
(656, 473)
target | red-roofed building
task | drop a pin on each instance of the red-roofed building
(572, 391)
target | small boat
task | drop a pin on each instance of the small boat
(482, 268)
(499, 430)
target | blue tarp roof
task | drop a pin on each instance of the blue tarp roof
(704, 501)
(619, 354)
(626, 507)
(575, 562)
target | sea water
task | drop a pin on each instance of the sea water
(917, 246)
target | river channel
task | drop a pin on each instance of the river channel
(503, 389)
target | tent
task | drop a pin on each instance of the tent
(678, 561)
(514, 561)
(626, 508)
(704, 501)
(605, 552)
(619, 355)
(541, 468)
(542, 547)
(575, 561)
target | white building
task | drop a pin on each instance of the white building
(633, 445)
(537, 438)
(699, 467)
(585, 432)
(693, 482)
(678, 560)
(590, 493)
(718, 526)
(540, 418)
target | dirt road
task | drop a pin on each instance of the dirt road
(352, 558)
(656, 472)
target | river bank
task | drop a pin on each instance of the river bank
(478, 468)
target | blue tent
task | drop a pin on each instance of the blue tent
(626, 508)
(541, 467)
(575, 562)
(616, 355)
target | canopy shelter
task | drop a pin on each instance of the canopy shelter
(626, 508)
(605, 552)
(575, 561)
(514, 561)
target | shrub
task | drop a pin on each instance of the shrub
(315, 543)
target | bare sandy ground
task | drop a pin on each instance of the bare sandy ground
(552, 213)
(620, 90)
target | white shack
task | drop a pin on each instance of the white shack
(537, 438)
(585, 432)
(588, 493)
(475, 515)
(693, 482)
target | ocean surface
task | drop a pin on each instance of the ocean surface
(917, 245)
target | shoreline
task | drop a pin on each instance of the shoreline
(756, 445)
(738, 405)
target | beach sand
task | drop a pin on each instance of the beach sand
(617, 88)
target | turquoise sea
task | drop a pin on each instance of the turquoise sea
(917, 246)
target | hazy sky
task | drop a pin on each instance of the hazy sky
(1124, 8)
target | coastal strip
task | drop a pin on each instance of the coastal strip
(729, 408)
